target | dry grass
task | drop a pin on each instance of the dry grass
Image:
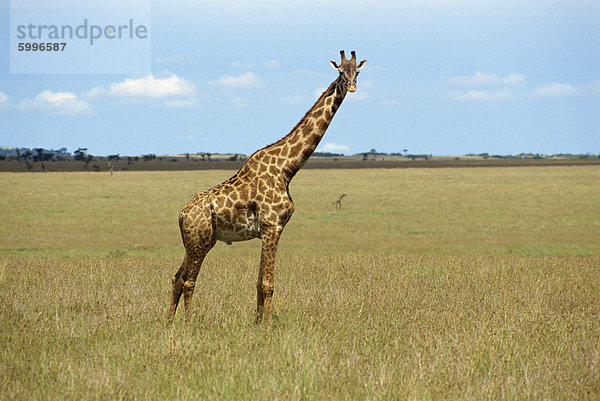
(428, 284)
(348, 327)
(530, 211)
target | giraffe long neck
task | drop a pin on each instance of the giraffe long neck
(293, 150)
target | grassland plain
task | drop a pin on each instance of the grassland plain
(427, 284)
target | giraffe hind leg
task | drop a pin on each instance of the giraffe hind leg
(190, 279)
(197, 233)
(177, 282)
(184, 282)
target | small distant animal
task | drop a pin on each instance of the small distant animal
(338, 202)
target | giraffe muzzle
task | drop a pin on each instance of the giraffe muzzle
(352, 88)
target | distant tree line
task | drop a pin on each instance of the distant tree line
(37, 154)
(537, 156)
(373, 154)
(29, 156)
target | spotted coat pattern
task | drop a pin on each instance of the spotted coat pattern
(255, 202)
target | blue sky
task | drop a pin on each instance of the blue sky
(443, 78)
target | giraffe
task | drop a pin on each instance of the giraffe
(255, 202)
(338, 202)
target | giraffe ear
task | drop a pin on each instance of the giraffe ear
(361, 64)
(334, 65)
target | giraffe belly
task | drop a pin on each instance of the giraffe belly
(242, 225)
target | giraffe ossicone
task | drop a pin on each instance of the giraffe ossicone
(255, 202)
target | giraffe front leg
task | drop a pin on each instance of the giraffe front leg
(265, 284)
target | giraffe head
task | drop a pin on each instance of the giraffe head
(348, 70)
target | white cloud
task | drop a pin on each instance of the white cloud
(174, 59)
(173, 91)
(245, 80)
(62, 103)
(49, 102)
(545, 91)
(274, 63)
(94, 93)
(358, 95)
(480, 78)
(334, 148)
(555, 90)
(3, 99)
(243, 65)
(480, 96)
(152, 87)
(176, 91)
(467, 96)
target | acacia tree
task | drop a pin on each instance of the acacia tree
(42, 155)
(80, 154)
(26, 157)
